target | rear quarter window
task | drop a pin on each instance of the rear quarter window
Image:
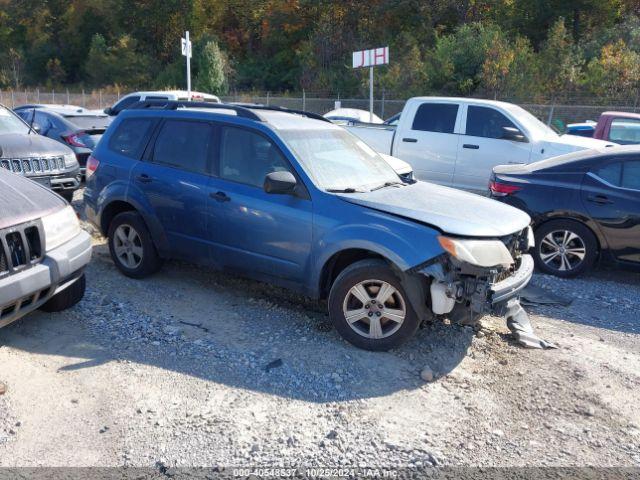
(131, 136)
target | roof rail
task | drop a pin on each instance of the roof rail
(175, 104)
(258, 106)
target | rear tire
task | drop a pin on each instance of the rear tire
(380, 314)
(67, 298)
(564, 248)
(131, 246)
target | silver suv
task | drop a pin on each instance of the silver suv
(43, 251)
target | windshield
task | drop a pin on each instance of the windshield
(11, 123)
(336, 160)
(529, 122)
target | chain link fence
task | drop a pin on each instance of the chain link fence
(570, 110)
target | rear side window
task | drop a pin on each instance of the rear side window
(625, 131)
(486, 122)
(185, 145)
(436, 117)
(131, 136)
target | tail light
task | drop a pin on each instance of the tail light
(91, 167)
(75, 139)
(502, 189)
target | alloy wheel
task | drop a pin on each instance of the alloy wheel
(374, 309)
(562, 250)
(128, 246)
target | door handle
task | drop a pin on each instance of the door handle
(472, 147)
(220, 196)
(144, 178)
(410, 140)
(599, 199)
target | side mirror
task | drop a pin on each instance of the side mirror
(108, 111)
(280, 183)
(512, 133)
(37, 128)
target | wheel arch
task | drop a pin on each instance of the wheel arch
(341, 260)
(110, 211)
(577, 218)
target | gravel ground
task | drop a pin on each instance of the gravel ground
(197, 368)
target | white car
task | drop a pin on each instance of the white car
(176, 95)
(457, 141)
(344, 116)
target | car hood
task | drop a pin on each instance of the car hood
(22, 200)
(571, 143)
(33, 145)
(452, 211)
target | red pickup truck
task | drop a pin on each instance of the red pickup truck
(618, 127)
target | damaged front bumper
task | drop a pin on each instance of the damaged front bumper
(464, 293)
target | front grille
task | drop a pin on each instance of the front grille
(20, 246)
(33, 165)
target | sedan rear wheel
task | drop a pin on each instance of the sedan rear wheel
(565, 248)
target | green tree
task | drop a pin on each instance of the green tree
(212, 68)
(615, 74)
(118, 63)
(560, 62)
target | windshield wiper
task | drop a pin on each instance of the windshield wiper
(386, 184)
(345, 190)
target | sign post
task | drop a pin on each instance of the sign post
(371, 58)
(186, 51)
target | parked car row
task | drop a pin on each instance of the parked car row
(290, 198)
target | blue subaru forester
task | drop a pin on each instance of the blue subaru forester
(288, 198)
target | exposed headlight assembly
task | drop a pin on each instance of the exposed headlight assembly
(60, 227)
(483, 253)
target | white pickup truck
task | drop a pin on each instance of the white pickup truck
(457, 141)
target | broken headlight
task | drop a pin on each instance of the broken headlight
(482, 253)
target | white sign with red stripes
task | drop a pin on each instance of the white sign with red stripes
(371, 58)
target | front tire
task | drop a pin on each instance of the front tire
(564, 248)
(131, 246)
(67, 298)
(369, 307)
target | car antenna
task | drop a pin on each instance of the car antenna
(33, 117)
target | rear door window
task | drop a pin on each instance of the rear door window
(185, 145)
(631, 175)
(486, 122)
(436, 117)
(621, 174)
(131, 136)
(611, 173)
